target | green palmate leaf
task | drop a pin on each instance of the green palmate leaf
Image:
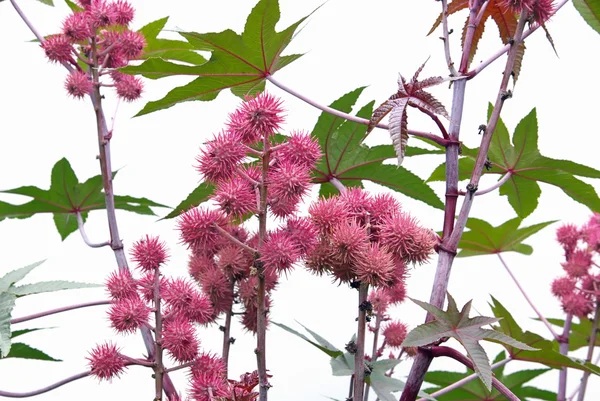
(475, 390)
(590, 11)
(528, 167)
(199, 195)
(320, 343)
(15, 276)
(579, 336)
(158, 50)
(66, 197)
(547, 353)
(238, 62)
(350, 161)
(384, 385)
(484, 239)
(457, 324)
(74, 7)
(20, 350)
(18, 333)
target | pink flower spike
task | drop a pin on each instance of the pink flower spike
(220, 157)
(236, 196)
(303, 232)
(201, 383)
(106, 361)
(129, 88)
(563, 286)
(396, 292)
(380, 300)
(577, 304)
(84, 3)
(100, 13)
(234, 262)
(57, 48)
(131, 44)
(358, 203)
(568, 235)
(76, 27)
(78, 84)
(256, 117)
(184, 299)
(402, 235)
(197, 228)
(375, 266)
(121, 285)
(349, 243)
(288, 182)
(578, 263)
(218, 289)
(395, 333)
(199, 263)
(328, 213)
(301, 148)
(209, 364)
(283, 208)
(149, 253)
(146, 287)
(129, 314)
(279, 252)
(122, 12)
(179, 338)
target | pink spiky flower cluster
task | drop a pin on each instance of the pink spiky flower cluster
(233, 161)
(579, 289)
(182, 305)
(367, 239)
(98, 36)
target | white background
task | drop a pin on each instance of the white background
(347, 44)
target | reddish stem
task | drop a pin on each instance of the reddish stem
(359, 356)
(564, 349)
(227, 331)
(57, 310)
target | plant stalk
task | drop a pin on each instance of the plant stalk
(227, 331)
(359, 356)
(590, 353)
(57, 310)
(561, 395)
(375, 350)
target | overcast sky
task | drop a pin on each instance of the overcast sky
(347, 44)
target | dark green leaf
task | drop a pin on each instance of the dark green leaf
(590, 11)
(349, 160)
(546, 353)
(528, 167)
(74, 7)
(20, 350)
(198, 196)
(47, 2)
(580, 333)
(484, 239)
(238, 62)
(66, 197)
(18, 333)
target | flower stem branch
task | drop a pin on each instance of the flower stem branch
(529, 301)
(506, 48)
(58, 310)
(158, 350)
(497, 185)
(338, 184)
(438, 351)
(446, 39)
(563, 348)
(375, 351)
(359, 356)
(464, 381)
(350, 117)
(261, 319)
(43, 390)
(227, 330)
(32, 28)
(84, 235)
(182, 366)
(590, 353)
(236, 241)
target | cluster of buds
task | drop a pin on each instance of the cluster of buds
(579, 289)
(254, 172)
(94, 42)
(539, 10)
(179, 305)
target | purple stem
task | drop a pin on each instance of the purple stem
(350, 117)
(536, 310)
(85, 237)
(47, 388)
(338, 184)
(359, 356)
(564, 349)
(465, 380)
(375, 350)
(57, 310)
(438, 351)
(236, 241)
(227, 330)
(497, 185)
(446, 39)
(590, 353)
(159, 368)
